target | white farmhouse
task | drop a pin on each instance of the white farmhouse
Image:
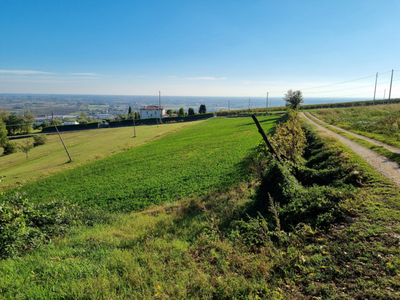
(152, 111)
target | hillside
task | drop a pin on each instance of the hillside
(84, 146)
(322, 226)
(191, 162)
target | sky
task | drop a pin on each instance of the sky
(325, 48)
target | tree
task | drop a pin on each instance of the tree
(39, 139)
(170, 112)
(191, 111)
(202, 109)
(56, 121)
(28, 121)
(14, 124)
(26, 146)
(3, 133)
(293, 99)
(10, 148)
(130, 111)
(181, 112)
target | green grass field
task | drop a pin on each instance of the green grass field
(190, 162)
(380, 122)
(84, 146)
(209, 247)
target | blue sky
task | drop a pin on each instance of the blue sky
(200, 48)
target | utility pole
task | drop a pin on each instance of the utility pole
(65, 147)
(384, 94)
(267, 102)
(376, 80)
(134, 127)
(390, 90)
(159, 104)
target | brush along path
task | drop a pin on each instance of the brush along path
(372, 141)
(380, 163)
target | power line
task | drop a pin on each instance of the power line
(328, 85)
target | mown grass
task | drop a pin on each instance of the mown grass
(216, 247)
(380, 122)
(191, 162)
(84, 146)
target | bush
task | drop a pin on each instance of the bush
(10, 148)
(39, 139)
(289, 139)
(25, 225)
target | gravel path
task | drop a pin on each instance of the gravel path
(387, 168)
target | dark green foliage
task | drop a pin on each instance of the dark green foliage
(25, 225)
(279, 183)
(3, 134)
(191, 111)
(312, 193)
(39, 139)
(202, 109)
(130, 111)
(10, 148)
(181, 112)
(293, 99)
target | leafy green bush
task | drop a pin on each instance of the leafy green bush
(10, 148)
(39, 139)
(25, 225)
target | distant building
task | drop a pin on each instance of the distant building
(70, 123)
(103, 116)
(152, 111)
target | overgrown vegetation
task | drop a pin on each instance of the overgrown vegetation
(26, 226)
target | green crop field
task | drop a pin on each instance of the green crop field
(191, 162)
(84, 146)
(380, 122)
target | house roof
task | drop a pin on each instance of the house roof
(152, 107)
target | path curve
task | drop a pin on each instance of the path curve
(387, 168)
(372, 141)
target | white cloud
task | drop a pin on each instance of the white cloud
(204, 78)
(84, 74)
(22, 72)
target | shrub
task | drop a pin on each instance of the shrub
(39, 139)
(289, 139)
(10, 148)
(25, 225)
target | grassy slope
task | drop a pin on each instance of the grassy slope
(190, 162)
(379, 122)
(84, 146)
(177, 251)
